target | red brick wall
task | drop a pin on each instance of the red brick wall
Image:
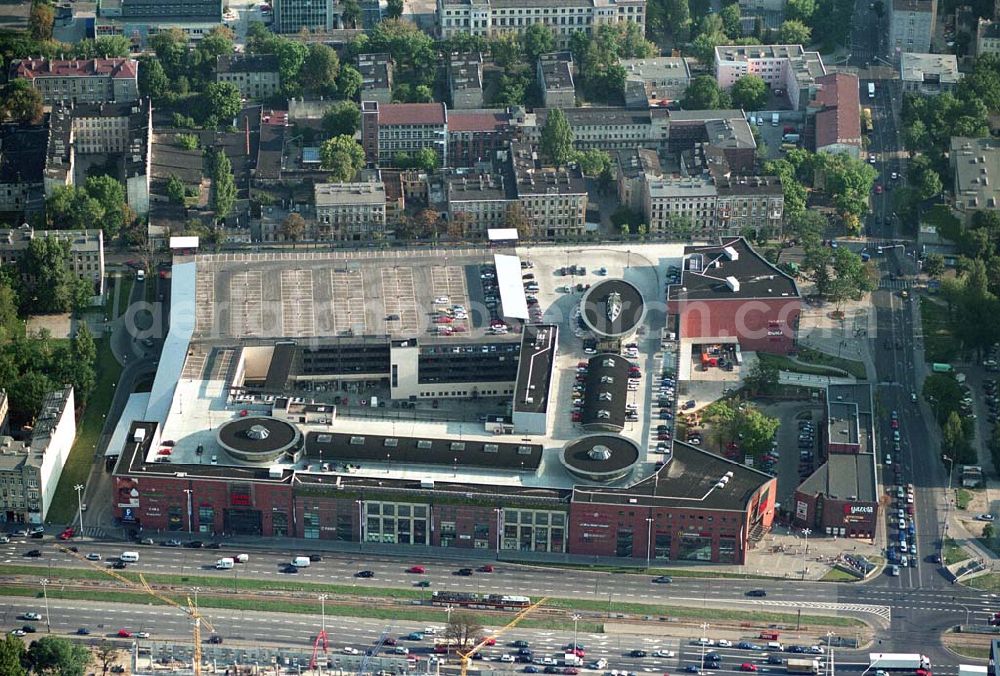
(752, 321)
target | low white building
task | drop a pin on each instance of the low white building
(928, 74)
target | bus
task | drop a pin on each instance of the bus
(480, 601)
(941, 368)
(871, 90)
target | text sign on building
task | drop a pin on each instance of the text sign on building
(239, 499)
(801, 510)
(858, 513)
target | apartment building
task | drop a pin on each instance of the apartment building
(553, 200)
(975, 163)
(633, 167)
(255, 75)
(481, 200)
(655, 80)
(389, 129)
(349, 211)
(376, 77)
(911, 25)
(928, 74)
(749, 203)
(22, 167)
(477, 135)
(86, 250)
(291, 16)
(606, 128)
(555, 79)
(30, 471)
(565, 17)
(783, 67)
(465, 79)
(80, 80)
(680, 207)
(987, 37)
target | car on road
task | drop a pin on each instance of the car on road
(878, 189)
(67, 534)
(290, 569)
(663, 579)
(124, 633)
(985, 517)
(520, 643)
(365, 573)
(723, 643)
(171, 543)
(33, 553)
(663, 653)
(349, 650)
(141, 634)
(487, 568)
(31, 616)
(692, 669)
(413, 636)
(757, 592)
(637, 653)
(420, 570)
(775, 659)
(748, 666)
(507, 658)
(17, 632)
(93, 556)
(119, 565)
(215, 638)
(315, 558)
(530, 669)
(194, 544)
(465, 572)
(83, 631)
(422, 583)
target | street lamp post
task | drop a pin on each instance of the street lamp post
(704, 633)
(806, 532)
(361, 524)
(576, 633)
(79, 505)
(189, 491)
(947, 503)
(499, 513)
(322, 611)
(45, 593)
(649, 538)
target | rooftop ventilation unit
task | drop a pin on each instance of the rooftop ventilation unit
(733, 284)
(731, 253)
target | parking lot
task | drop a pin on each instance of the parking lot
(245, 298)
(798, 444)
(348, 302)
(297, 318)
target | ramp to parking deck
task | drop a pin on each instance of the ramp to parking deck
(512, 299)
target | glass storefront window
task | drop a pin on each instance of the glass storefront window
(396, 523)
(530, 530)
(310, 525)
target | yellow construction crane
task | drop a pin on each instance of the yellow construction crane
(467, 656)
(191, 610)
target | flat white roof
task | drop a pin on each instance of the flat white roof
(501, 234)
(512, 299)
(183, 242)
(135, 409)
(175, 347)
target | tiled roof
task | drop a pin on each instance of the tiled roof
(478, 120)
(411, 113)
(116, 68)
(840, 119)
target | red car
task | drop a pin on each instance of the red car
(486, 569)
(67, 534)
(576, 417)
(878, 189)
(895, 424)
(748, 666)
(572, 671)
(416, 569)
(124, 633)
(443, 320)
(488, 640)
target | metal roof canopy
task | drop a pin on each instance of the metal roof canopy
(501, 234)
(512, 299)
(183, 242)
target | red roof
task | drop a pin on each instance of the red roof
(461, 120)
(116, 68)
(839, 119)
(411, 113)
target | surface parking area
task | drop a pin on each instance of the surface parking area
(204, 306)
(348, 302)
(246, 307)
(297, 318)
(797, 458)
(399, 300)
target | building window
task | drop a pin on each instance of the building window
(175, 521)
(310, 525)
(206, 520)
(396, 523)
(534, 530)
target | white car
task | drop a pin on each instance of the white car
(723, 643)
(704, 641)
(507, 658)
(348, 650)
(894, 176)
(93, 556)
(32, 616)
(985, 517)
(664, 653)
(871, 158)
(430, 631)
(817, 650)
(141, 634)
(440, 300)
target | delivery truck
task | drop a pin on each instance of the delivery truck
(910, 662)
(794, 666)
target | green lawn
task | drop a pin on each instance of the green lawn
(784, 363)
(88, 432)
(838, 575)
(939, 343)
(953, 552)
(126, 283)
(940, 216)
(976, 652)
(963, 498)
(851, 366)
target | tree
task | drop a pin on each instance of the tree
(518, 220)
(348, 82)
(704, 93)
(934, 265)
(464, 629)
(749, 92)
(342, 157)
(989, 531)
(84, 355)
(394, 9)
(794, 32)
(40, 20)
(730, 15)
(53, 654)
(351, 12)
(12, 656)
(852, 278)
(506, 50)
(673, 16)
(107, 655)
(953, 441)
(153, 80)
(218, 42)
(593, 162)
(222, 101)
(424, 159)
(458, 225)
(293, 227)
(762, 378)
(342, 119)
(407, 45)
(222, 197)
(110, 195)
(23, 103)
(800, 10)
(175, 190)
(537, 39)
(320, 69)
(557, 138)
(45, 263)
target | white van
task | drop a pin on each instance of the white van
(775, 645)
(140, 275)
(224, 564)
(301, 562)
(241, 558)
(129, 557)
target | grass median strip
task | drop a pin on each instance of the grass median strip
(209, 584)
